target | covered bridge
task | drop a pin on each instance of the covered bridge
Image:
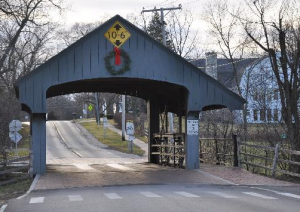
(148, 70)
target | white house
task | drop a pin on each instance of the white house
(257, 82)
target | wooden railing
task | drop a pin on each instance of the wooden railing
(233, 152)
(11, 172)
(244, 158)
(169, 147)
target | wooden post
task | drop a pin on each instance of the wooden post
(235, 151)
(30, 164)
(275, 159)
(238, 139)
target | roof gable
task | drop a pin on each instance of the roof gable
(85, 60)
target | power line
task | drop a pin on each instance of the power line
(230, 63)
(191, 2)
(155, 5)
(163, 30)
(170, 3)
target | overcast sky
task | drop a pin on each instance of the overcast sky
(94, 10)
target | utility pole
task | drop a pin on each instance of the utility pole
(123, 117)
(163, 34)
(97, 108)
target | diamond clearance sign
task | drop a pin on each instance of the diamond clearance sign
(117, 34)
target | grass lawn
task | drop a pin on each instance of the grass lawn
(142, 138)
(112, 139)
(14, 190)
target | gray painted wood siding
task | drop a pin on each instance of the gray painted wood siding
(150, 60)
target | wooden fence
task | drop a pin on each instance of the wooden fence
(233, 152)
(11, 172)
(244, 157)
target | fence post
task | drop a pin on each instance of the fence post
(235, 151)
(30, 164)
(275, 159)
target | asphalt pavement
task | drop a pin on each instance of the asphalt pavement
(169, 198)
(85, 175)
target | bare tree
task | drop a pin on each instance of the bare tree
(25, 28)
(184, 38)
(274, 26)
(18, 17)
(226, 32)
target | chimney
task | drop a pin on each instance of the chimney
(211, 64)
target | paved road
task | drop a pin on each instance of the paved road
(82, 155)
(65, 139)
(169, 198)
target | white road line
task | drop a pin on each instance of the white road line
(112, 196)
(35, 181)
(279, 193)
(3, 208)
(221, 194)
(83, 166)
(218, 178)
(149, 194)
(183, 193)
(118, 166)
(37, 200)
(258, 195)
(64, 141)
(289, 195)
(73, 198)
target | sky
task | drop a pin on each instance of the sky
(94, 10)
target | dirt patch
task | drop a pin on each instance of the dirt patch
(13, 190)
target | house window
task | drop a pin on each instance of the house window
(248, 113)
(255, 115)
(275, 94)
(275, 114)
(255, 96)
(269, 97)
(269, 114)
(262, 115)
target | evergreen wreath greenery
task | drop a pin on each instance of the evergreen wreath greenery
(111, 68)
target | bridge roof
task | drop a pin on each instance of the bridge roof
(155, 72)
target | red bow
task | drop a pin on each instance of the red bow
(117, 56)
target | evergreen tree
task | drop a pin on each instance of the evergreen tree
(154, 30)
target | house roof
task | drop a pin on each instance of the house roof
(225, 69)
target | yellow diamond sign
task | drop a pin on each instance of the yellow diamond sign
(117, 34)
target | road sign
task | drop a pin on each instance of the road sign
(90, 107)
(129, 128)
(117, 34)
(192, 127)
(15, 125)
(15, 136)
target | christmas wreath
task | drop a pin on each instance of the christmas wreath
(118, 53)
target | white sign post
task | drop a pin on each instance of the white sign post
(14, 127)
(192, 127)
(130, 132)
(105, 126)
